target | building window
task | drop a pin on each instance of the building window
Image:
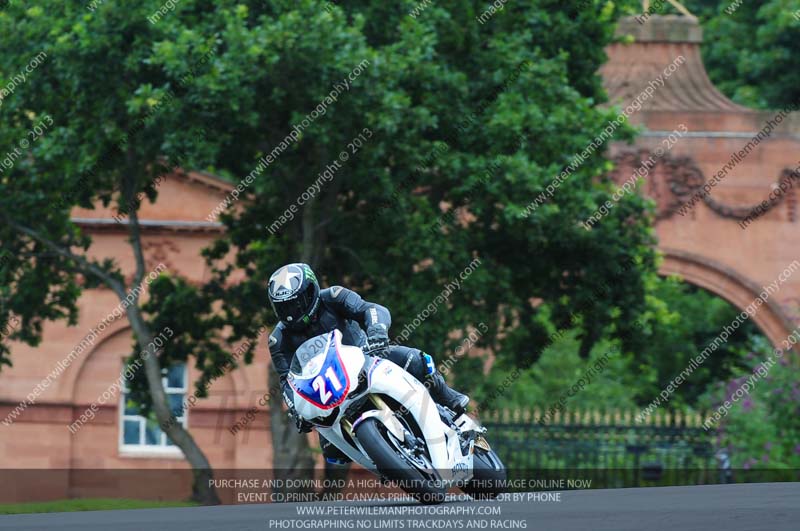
(139, 433)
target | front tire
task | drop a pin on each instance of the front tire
(394, 465)
(488, 476)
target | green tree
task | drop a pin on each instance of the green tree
(445, 133)
(609, 380)
(682, 320)
(752, 53)
(462, 124)
(95, 120)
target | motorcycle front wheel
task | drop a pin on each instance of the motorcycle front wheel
(488, 476)
(395, 465)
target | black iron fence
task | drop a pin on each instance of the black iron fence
(607, 447)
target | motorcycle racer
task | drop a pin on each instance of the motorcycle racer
(305, 311)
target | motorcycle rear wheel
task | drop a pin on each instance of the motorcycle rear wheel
(397, 467)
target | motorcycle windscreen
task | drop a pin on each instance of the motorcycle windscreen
(330, 386)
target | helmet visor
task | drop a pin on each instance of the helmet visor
(295, 309)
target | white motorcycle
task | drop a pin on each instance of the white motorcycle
(384, 419)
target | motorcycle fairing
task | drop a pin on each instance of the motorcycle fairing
(321, 390)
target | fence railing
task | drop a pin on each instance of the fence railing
(608, 447)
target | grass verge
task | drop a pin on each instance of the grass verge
(89, 504)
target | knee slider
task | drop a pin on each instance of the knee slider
(430, 367)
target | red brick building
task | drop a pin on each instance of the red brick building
(83, 366)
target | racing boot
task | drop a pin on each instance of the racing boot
(443, 394)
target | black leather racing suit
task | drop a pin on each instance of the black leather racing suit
(345, 310)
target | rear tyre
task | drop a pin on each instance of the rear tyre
(488, 476)
(397, 467)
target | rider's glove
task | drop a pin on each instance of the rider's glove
(378, 340)
(302, 425)
(287, 392)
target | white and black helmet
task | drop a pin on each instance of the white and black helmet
(294, 294)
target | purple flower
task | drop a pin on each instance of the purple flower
(797, 449)
(765, 458)
(747, 404)
(768, 446)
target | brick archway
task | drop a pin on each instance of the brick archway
(729, 285)
(708, 164)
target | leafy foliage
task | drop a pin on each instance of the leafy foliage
(752, 54)
(762, 429)
(97, 120)
(468, 123)
(681, 320)
(612, 384)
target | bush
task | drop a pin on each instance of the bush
(558, 369)
(762, 428)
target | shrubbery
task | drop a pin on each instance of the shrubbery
(762, 429)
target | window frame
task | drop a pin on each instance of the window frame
(164, 448)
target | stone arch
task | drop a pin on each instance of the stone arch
(731, 286)
(96, 443)
(120, 339)
(116, 333)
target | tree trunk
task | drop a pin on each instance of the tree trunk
(203, 490)
(590, 337)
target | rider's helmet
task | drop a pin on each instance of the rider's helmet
(294, 295)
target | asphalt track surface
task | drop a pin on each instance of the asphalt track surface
(757, 507)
